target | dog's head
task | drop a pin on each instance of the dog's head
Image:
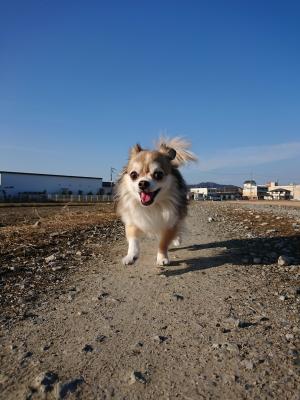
(149, 175)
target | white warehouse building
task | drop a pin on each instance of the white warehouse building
(14, 184)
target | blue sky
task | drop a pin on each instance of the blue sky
(81, 81)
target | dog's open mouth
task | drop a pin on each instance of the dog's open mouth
(147, 198)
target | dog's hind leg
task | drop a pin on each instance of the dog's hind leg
(180, 231)
(165, 240)
(132, 235)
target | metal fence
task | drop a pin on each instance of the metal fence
(86, 198)
(63, 198)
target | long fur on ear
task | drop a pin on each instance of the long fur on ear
(135, 150)
(177, 150)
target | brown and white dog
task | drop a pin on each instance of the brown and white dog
(151, 196)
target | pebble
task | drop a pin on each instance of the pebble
(81, 312)
(289, 336)
(87, 348)
(283, 261)
(247, 364)
(137, 376)
(137, 347)
(100, 338)
(71, 297)
(160, 339)
(178, 296)
(64, 389)
(50, 258)
(45, 381)
(37, 224)
(210, 219)
(45, 347)
(102, 295)
(57, 268)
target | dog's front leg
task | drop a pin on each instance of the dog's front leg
(166, 238)
(132, 235)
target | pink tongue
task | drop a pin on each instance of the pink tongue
(145, 197)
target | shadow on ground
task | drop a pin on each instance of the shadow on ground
(238, 252)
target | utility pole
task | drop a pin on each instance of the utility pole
(112, 171)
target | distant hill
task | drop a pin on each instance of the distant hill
(211, 185)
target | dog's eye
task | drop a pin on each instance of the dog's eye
(134, 175)
(158, 175)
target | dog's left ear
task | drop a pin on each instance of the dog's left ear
(135, 150)
(168, 151)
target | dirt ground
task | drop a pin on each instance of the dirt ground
(221, 322)
(275, 203)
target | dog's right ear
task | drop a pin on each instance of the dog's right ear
(135, 150)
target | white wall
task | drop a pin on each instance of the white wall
(203, 191)
(14, 183)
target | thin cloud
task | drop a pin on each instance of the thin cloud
(250, 156)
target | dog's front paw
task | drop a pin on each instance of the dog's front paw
(177, 242)
(129, 259)
(162, 260)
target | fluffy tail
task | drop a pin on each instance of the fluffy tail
(181, 146)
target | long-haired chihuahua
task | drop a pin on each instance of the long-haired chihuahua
(151, 196)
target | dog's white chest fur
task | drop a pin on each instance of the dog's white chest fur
(151, 219)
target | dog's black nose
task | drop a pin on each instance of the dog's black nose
(144, 185)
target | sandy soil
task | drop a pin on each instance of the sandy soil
(222, 322)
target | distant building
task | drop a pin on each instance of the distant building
(208, 193)
(108, 188)
(270, 191)
(279, 193)
(18, 184)
(252, 191)
(293, 188)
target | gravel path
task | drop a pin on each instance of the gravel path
(291, 211)
(222, 322)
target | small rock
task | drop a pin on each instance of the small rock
(45, 347)
(160, 339)
(210, 219)
(71, 297)
(87, 348)
(137, 347)
(45, 381)
(247, 364)
(289, 336)
(282, 297)
(102, 295)
(57, 268)
(100, 338)
(137, 376)
(178, 296)
(50, 258)
(78, 253)
(37, 224)
(63, 389)
(283, 261)
(82, 312)
(28, 354)
(269, 231)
